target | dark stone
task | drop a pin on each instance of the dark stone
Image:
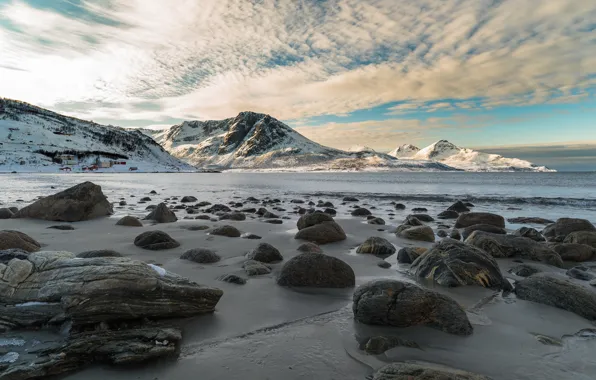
(524, 270)
(237, 216)
(472, 218)
(482, 227)
(309, 247)
(150, 207)
(232, 279)
(529, 233)
(145, 199)
(316, 270)
(17, 240)
(419, 233)
(361, 211)
(423, 217)
(377, 221)
(442, 233)
(377, 246)
(270, 215)
(188, 199)
(251, 237)
(229, 231)
(265, 253)
(582, 237)
(155, 241)
(297, 201)
(408, 255)
(458, 207)
(313, 219)
(201, 256)
(402, 304)
(448, 214)
(63, 227)
(400, 206)
(99, 253)
(557, 292)
(564, 226)
(322, 233)
(122, 203)
(250, 210)
(217, 208)
(5, 213)
(455, 234)
(529, 220)
(162, 214)
(350, 199)
(330, 211)
(203, 204)
(452, 263)
(273, 221)
(377, 345)
(129, 221)
(203, 217)
(420, 209)
(574, 252)
(255, 268)
(384, 264)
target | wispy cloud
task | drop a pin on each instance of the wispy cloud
(214, 58)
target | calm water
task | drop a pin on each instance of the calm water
(530, 194)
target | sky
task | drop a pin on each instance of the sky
(515, 77)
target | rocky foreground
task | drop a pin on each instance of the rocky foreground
(119, 308)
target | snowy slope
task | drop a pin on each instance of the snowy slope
(258, 141)
(466, 159)
(31, 137)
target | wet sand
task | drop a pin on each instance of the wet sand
(263, 331)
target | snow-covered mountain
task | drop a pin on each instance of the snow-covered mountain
(466, 159)
(258, 141)
(33, 139)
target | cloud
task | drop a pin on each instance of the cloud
(214, 58)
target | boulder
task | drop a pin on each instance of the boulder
(201, 256)
(255, 268)
(482, 227)
(581, 273)
(452, 263)
(408, 255)
(564, 226)
(14, 209)
(265, 253)
(322, 233)
(377, 345)
(217, 208)
(273, 221)
(384, 264)
(316, 270)
(442, 233)
(309, 247)
(129, 221)
(554, 291)
(361, 211)
(458, 207)
(376, 221)
(270, 215)
(524, 270)
(14, 253)
(62, 227)
(227, 230)
(403, 304)
(423, 371)
(6, 213)
(155, 241)
(81, 202)
(99, 253)
(530, 233)
(377, 246)
(330, 211)
(350, 199)
(423, 217)
(448, 214)
(232, 279)
(400, 206)
(455, 234)
(237, 216)
(472, 218)
(574, 252)
(500, 246)
(188, 199)
(420, 233)
(14, 239)
(420, 209)
(529, 220)
(53, 287)
(582, 237)
(250, 236)
(162, 214)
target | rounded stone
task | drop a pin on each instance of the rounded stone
(316, 270)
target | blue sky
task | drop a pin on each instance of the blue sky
(512, 76)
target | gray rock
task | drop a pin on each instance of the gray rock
(582, 237)
(377, 345)
(384, 264)
(5, 213)
(14, 209)
(399, 206)
(472, 218)
(442, 233)
(452, 263)
(255, 268)
(62, 227)
(270, 215)
(361, 211)
(273, 221)
(529, 220)
(564, 226)
(201, 256)
(14, 239)
(99, 253)
(232, 279)
(251, 237)
(458, 207)
(423, 371)
(419, 233)
(217, 208)
(377, 246)
(313, 219)
(14, 253)
(322, 233)
(122, 203)
(574, 252)
(524, 270)
(129, 221)
(455, 234)
(229, 231)
(408, 255)
(309, 247)
(162, 214)
(265, 253)
(448, 214)
(482, 227)
(350, 199)
(580, 272)
(188, 199)
(237, 216)
(81, 202)
(423, 217)
(376, 221)
(563, 294)
(529, 233)
(155, 241)
(316, 270)
(500, 246)
(402, 304)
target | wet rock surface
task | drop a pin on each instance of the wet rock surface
(201, 256)
(316, 270)
(155, 241)
(377, 246)
(17, 240)
(162, 214)
(228, 231)
(265, 253)
(472, 218)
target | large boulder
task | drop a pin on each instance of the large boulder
(313, 219)
(420, 233)
(265, 253)
(530, 233)
(227, 230)
(402, 304)
(452, 263)
(408, 255)
(14, 239)
(316, 270)
(482, 227)
(6, 213)
(81, 202)
(237, 216)
(554, 291)
(322, 233)
(564, 226)
(574, 252)
(188, 199)
(129, 221)
(423, 371)
(501, 246)
(377, 246)
(458, 206)
(162, 214)
(201, 256)
(51, 287)
(582, 237)
(361, 211)
(155, 241)
(448, 214)
(472, 218)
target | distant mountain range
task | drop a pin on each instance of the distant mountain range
(466, 159)
(33, 139)
(257, 141)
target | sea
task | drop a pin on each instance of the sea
(546, 195)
